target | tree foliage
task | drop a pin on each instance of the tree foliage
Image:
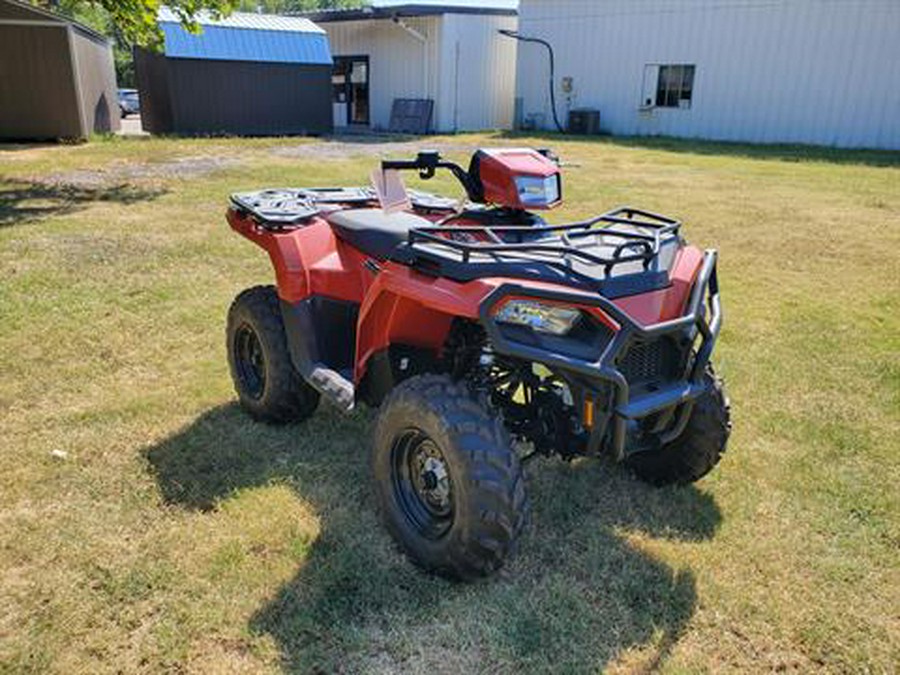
(288, 6)
(133, 22)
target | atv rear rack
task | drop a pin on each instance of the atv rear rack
(280, 209)
(618, 237)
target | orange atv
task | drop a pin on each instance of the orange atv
(484, 336)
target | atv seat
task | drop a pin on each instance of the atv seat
(374, 232)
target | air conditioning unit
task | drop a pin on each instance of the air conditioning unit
(584, 121)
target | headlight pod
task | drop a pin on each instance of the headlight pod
(537, 191)
(539, 316)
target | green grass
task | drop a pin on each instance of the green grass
(175, 535)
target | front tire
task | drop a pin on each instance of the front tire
(267, 385)
(450, 488)
(699, 447)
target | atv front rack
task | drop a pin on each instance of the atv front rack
(702, 322)
(588, 252)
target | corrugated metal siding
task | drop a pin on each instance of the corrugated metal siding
(38, 98)
(96, 83)
(19, 12)
(194, 96)
(56, 77)
(151, 72)
(475, 91)
(400, 66)
(478, 73)
(261, 99)
(242, 44)
(799, 71)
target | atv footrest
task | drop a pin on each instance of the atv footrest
(334, 386)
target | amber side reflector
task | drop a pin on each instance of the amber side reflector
(588, 412)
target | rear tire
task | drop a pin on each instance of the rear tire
(267, 385)
(450, 489)
(698, 449)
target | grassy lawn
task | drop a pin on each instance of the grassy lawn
(146, 525)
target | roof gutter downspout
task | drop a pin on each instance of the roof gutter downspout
(514, 34)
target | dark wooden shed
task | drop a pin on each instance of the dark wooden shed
(57, 78)
(247, 74)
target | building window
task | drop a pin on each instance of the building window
(675, 86)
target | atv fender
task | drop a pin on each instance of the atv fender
(406, 307)
(307, 261)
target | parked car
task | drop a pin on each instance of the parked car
(129, 103)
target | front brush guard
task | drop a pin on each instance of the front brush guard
(627, 407)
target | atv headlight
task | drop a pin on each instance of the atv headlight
(535, 191)
(539, 316)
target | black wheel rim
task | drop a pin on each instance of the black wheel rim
(250, 362)
(422, 484)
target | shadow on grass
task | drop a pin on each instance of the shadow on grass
(779, 152)
(575, 597)
(27, 201)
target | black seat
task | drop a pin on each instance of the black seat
(372, 231)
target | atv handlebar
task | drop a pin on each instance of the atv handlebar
(427, 163)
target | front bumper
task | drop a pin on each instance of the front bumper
(700, 324)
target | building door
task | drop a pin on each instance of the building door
(350, 87)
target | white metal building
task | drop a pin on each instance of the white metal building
(451, 55)
(772, 71)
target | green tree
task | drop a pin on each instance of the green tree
(289, 6)
(133, 22)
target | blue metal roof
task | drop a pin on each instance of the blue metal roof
(247, 37)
